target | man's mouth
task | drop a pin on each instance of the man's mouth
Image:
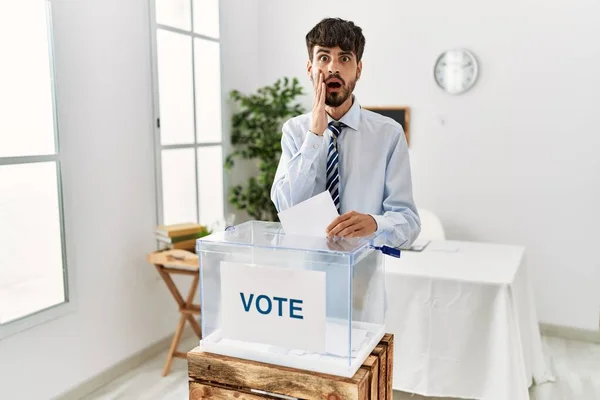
(334, 85)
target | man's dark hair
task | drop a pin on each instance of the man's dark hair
(332, 32)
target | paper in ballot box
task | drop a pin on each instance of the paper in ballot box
(303, 302)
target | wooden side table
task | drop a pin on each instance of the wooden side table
(167, 264)
(214, 376)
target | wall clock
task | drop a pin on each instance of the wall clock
(456, 71)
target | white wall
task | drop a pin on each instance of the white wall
(105, 116)
(239, 71)
(512, 161)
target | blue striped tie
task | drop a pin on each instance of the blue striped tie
(333, 171)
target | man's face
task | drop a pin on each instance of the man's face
(340, 72)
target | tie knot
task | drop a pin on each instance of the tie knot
(336, 127)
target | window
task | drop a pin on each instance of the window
(187, 91)
(33, 275)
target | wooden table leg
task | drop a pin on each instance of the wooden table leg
(195, 326)
(170, 284)
(187, 309)
(189, 304)
(174, 345)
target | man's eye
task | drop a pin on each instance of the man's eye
(345, 59)
(323, 58)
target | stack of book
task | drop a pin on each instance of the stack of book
(180, 236)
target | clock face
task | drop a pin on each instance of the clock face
(456, 71)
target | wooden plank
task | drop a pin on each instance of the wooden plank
(235, 372)
(195, 325)
(176, 271)
(199, 390)
(388, 339)
(372, 365)
(363, 389)
(170, 285)
(192, 291)
(190, 311)
(174, 345)
(380, 352)
(167, 258)
(194, 307)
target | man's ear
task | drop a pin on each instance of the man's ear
(309, 70)
(358, 70)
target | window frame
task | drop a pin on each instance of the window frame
(158, 146)
(49, 313)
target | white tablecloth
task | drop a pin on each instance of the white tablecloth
(464, 322)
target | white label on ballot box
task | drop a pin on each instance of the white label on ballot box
(277, 306)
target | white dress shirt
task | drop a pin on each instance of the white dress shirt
(374, 169)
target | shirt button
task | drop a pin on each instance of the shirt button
(316, 146)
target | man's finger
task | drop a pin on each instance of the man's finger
(360, 228)
(317, 89)
(347, 224)
(338, 220)
(357, 233)
(323, 91)
(348, 231)
(337, 229)
(319, 84)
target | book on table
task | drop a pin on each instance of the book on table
(180, 236)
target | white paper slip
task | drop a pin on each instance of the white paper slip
(311, 217)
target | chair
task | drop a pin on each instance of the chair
(431, 226)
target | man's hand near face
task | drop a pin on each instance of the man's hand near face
(319, 116)
(352, 224)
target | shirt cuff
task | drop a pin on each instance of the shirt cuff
(383, 225)
(312, 144)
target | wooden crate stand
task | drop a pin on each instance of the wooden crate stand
(213, 376)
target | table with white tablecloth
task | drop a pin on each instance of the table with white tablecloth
(464, 322)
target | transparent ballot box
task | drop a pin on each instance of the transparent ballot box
(303, 302)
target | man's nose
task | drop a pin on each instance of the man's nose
(334, 67)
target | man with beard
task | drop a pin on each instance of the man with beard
(359, 156)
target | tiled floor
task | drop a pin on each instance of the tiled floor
(576, 366)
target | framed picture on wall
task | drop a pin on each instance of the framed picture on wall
(400, 114)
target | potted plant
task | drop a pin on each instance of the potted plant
(256, 135)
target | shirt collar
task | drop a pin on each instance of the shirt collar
(352, 116)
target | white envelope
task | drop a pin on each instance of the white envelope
(311, 217)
